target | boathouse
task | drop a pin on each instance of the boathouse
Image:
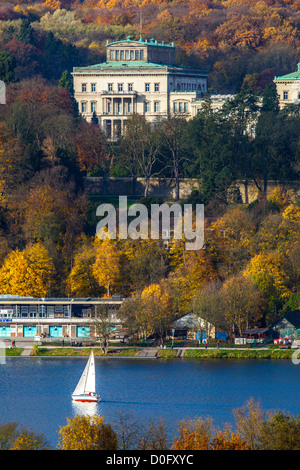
(55, 317)
(287, 326)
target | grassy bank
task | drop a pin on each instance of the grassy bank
(13, 351)
(239, 354)
(199, 353)
(42, 351)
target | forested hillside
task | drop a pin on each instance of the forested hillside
(248, 272)
(234, 40)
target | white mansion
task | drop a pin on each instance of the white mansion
(139, 76)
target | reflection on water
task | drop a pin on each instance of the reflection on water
(86, 409)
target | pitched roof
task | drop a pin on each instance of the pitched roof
(294, 318)
(190, 321)
(290, 76)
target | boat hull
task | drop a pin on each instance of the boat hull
(85, 398)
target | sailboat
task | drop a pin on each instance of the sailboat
(86, 387)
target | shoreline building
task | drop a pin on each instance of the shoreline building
(138, 77)
(25, 317)
(288, 88)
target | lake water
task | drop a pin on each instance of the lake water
(36, 392)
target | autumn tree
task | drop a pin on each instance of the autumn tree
(188, 278)
(194, 434)
(87, 433)
(228, 240)
(267, 271)
(106, 267)
(141, 144)
(28, 273)
(92, 149)
(280, 432)
(173, 140)
(228, 441)
(249, 421)
(157, 305)
(14, 437)
(81, 281)
(243, 303)
(133, 316)
(207, 304)
(145, 262)
(154, 436)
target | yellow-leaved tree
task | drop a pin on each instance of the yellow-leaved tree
(106, 268)
(81, 281)
(86, 432)
(157, 307)
(188, 278)
(28, 273)
(267, 271)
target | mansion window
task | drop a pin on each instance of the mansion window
(156, 106)
(93, 107)
(93, 87)
(130, 86)
(120, 87)
(83, 107)
(285, 95)
(110, 87)
(83, 87)
(147, 107)
(156, 86)
(147, 86)
(180, 107)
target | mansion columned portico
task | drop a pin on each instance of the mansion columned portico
(141, 77)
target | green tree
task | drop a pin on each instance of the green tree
(66, 81)
(265, 133)
(7, 67)
(209, 150)
(26, 32)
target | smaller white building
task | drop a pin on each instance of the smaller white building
(288, 88)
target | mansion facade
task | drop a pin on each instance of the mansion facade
(288, 88)
(140, 77)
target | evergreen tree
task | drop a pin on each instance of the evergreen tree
(265, 154)
(66, 82)
(7, 67)
(26, 32)
(94, 119)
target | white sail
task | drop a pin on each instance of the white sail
(90, 385)
(86, 382)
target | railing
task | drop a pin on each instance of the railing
(116, 92)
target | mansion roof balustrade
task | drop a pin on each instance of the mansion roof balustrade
(119, 93)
